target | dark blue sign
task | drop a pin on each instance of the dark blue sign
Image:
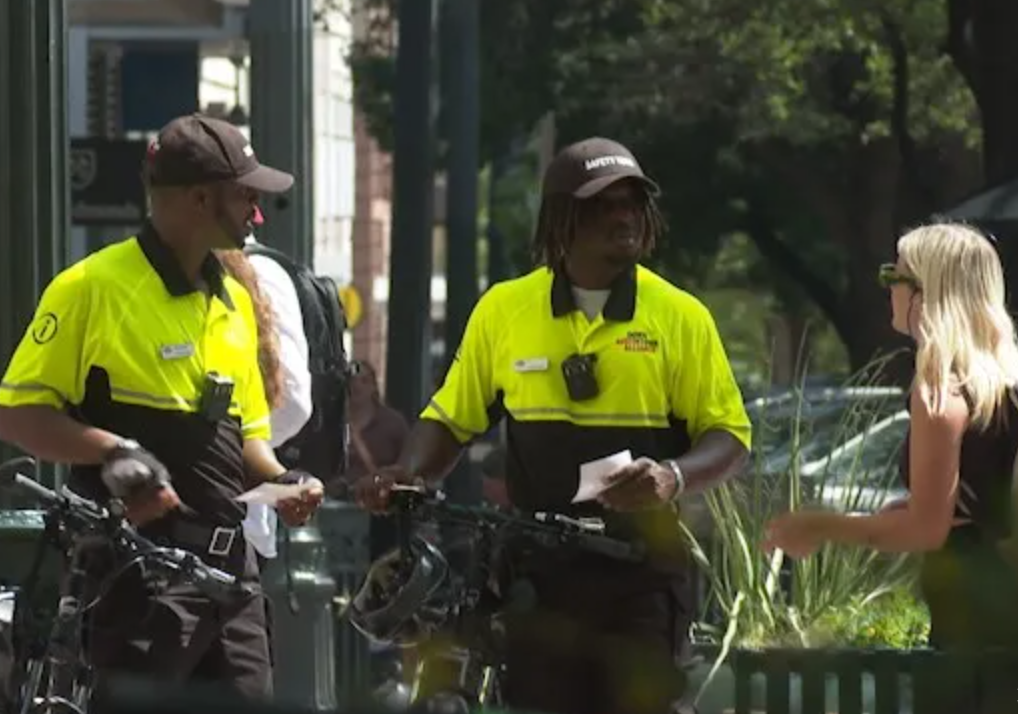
(158, 84)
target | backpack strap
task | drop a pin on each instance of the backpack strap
(291, 268)
(293, 271)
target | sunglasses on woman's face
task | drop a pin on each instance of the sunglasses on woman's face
(890, 276)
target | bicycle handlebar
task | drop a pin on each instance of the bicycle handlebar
(543, 527)
(81, 514)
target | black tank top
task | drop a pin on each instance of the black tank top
(987, 462)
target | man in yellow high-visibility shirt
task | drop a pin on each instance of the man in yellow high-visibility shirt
(587, 356)
(140, 370)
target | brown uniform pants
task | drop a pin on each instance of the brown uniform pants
(182, 635)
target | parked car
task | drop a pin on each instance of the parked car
(861, 475)
(821, 430)
(807, 426)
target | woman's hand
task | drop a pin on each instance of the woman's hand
(296, 511)
(799, 533)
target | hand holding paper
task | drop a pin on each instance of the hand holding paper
(594, 475)
(640, 485)
(270, 494)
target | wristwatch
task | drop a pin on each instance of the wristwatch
(123, 446)
(680, 478)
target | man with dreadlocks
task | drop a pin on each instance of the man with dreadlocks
(588, 356)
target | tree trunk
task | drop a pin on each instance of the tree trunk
(982, 45)
(872, 337)
(789, 340)
(860, 213)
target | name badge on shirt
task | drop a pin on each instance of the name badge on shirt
(534, 364)
(176, 351)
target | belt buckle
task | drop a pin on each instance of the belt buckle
(222, 541)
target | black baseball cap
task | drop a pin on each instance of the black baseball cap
(590, 166)
(196, 149)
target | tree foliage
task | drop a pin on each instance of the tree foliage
(819, 128)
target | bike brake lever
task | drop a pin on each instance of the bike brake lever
(583, 524)
(213, 581)
(81, 503)
(408, 488)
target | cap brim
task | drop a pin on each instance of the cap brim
(267, 180)
(595, 186)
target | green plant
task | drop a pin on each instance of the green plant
(896, 619)
(765, 600)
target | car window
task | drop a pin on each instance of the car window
(818, 425)
(871, 459)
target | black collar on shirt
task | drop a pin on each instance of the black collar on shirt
(167, 267)
(621, 303)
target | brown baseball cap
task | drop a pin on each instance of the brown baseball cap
(590, 166)
(197, 149)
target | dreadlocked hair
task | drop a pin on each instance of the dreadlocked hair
(239, 267)
(556, 227)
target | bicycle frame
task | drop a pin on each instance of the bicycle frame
(473, 667)
(61, 680)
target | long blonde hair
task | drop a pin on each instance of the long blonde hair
(967, 338)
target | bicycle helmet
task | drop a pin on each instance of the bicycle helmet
(399, 601)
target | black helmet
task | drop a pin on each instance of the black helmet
(398, 602)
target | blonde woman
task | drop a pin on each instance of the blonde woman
(947, 293)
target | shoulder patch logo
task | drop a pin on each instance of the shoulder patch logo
(44, 328)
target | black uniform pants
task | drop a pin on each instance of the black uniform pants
(180, 635)
(972, 596)
(602, 637)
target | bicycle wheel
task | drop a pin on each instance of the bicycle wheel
(51, 687)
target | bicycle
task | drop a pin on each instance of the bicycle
(455, 590)
(55, 676)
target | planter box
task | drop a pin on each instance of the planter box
(850, 681)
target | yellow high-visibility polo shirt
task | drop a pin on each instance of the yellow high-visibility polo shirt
(663, 376)
(124, 341)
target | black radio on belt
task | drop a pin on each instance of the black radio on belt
(216, 396)
(578, 371)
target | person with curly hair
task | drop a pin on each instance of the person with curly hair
(238, 266)
(283, 360)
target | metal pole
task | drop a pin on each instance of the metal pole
(23, 245)
(53, 137)
(498, 269)
(281, 35)
(460, 80)
(459, 36)
(33, 171)
(9, 319)
(412, 213)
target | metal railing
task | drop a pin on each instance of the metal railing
(850, 681)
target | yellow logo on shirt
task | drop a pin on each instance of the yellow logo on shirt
(637, 342)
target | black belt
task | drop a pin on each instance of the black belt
(205, 540)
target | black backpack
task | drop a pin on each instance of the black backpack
(321, 446)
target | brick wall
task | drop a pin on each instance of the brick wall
(371, 231)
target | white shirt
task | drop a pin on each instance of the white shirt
(294, 408)
(591, 302)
